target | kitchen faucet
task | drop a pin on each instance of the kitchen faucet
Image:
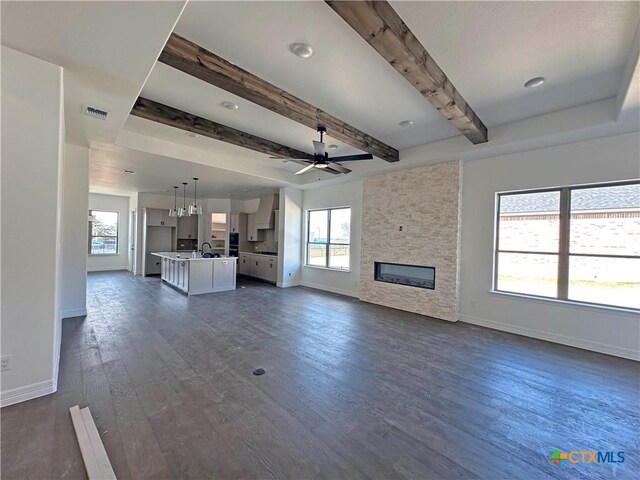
(202, 246)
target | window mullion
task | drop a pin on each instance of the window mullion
(563, 250)
(326, 260)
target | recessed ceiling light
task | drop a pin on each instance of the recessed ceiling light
(191, 134)
(302, 50)
(333, 147)
(229, 105)
(406, 123)
(128, 172)
(534, 82)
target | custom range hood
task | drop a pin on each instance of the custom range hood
(264, 219)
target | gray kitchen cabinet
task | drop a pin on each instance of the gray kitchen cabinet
(244, 264)
(187, 227)
(271, 274)
(160, 218)
(253, 234)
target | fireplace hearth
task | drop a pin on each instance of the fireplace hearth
(401, 274)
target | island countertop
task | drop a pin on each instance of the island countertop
(182, 256)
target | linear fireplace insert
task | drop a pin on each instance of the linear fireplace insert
(412, 275)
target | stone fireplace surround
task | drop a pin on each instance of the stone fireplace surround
(413, 217)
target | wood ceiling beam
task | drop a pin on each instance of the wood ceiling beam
(379, 24)
(157, 112)
(194, 60)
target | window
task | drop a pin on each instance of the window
(328, 238)
(103, 233)
(573, 243)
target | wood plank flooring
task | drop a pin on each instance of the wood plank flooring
(352, 391)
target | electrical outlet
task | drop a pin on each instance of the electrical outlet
(5, 363)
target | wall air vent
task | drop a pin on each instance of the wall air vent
(95, 112)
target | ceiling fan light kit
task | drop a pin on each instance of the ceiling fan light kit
(321, 159)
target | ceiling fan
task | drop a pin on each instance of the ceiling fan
(321, 158)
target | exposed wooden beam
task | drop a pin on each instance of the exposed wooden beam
(157, 112)
(194, 60)
(379, 24)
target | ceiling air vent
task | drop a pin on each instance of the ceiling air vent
(95, 112)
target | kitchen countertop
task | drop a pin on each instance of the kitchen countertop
(187, 256)
(262, 254)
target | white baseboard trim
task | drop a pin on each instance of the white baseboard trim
(73, 312)
(287, 284)
(105, 269)
(554, 337)
(328, 288)
(28, 392)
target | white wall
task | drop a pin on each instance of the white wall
(600, 160)
(73, 289)
(343, 195)
(289, 231)
(112, 203)
(32, 147)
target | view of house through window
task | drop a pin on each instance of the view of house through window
(103, 233)
(572, 243)
(328, 238)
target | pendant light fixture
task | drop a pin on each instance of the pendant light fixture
(183, 211)
(173, 212)
(194, 208)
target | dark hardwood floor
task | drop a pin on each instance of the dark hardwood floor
(351, 391)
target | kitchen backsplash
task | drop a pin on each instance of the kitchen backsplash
(269, 244)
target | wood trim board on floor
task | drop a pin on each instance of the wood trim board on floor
(94, 455)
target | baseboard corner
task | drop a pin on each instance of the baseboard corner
(27, 392)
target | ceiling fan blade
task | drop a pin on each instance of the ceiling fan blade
(339, 168)
(318, 148)
(351, 158)
(305, 169)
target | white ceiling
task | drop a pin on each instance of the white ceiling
(488, 49)
(107, 50)
(156, 173)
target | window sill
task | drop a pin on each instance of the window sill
(567, 303)
(103, 254)
(327, 268)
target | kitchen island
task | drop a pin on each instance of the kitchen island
(195, 276)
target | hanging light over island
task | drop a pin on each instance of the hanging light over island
(194, 208)
(183, 211)
(173, 212)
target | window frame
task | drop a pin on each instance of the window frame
(328, 243)
(91, 236)
(563, 254)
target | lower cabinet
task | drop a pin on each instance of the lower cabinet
(244, 264)
(175, 272)
(199, 276)
(259, 266)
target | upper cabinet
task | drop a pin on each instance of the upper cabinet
(253, 234)
(238, 222)
(160, 218)
(188, 227)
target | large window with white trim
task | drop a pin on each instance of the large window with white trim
(329, 238)
(103, 232)
(579, 243)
